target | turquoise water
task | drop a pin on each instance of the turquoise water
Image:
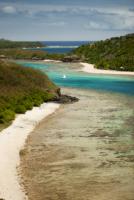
(120, 84)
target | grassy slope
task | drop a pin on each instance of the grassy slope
(115, 53)
(22, 88)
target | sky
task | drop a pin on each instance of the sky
(65, 20)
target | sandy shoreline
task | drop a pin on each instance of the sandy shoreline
(53, 61)
(83, 152)
(89, 68)
(12, 139)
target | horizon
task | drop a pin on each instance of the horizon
(55, 20)
(64, 40)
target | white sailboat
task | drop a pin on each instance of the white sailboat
(64, 76)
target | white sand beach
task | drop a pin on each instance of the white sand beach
(12, 140)
(89, 68)
(55, 61)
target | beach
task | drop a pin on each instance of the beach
(52, 61)
(12, 140)
(82, 152)
(89, 68)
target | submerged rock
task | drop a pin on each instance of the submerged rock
(65, 99)
(62, 98)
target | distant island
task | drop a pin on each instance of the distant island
(8, 44)
(24, 50)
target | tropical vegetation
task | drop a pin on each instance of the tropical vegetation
(22, 88)
(6, 44)
(116, 53)
(28, 54)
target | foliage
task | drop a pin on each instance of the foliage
(116, 53)
(4, 44)
(22, 88)
(23, 50)
(29, 54)
(22, 54)
(54, 56)
(6, 115)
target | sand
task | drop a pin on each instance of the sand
(89, 68)
(49, 60)
(12, 140)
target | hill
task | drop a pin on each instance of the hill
(115, 53)
(22, 54)
(28, 54)
(6, 44)
(22, 88)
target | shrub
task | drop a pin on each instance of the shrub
(48, 96)
(28, 104)
(6, 116)
(22, 88)
(20, 109)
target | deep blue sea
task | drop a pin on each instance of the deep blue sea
(61, 47)
(75, 79)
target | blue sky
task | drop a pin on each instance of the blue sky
(65, 19)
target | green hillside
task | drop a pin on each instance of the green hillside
(116, 53)
(28, 54)
(22, 88)
(5, 44)
(22, 54)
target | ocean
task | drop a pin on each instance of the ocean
(61, 47)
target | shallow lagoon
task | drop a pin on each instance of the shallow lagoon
(77, 79)
(84, 151)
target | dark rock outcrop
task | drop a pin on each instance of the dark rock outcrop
(71, 58)
(65, 99)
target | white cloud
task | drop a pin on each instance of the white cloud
(93, 18)
(9, 9)
(96, 25)
(57, 24)
(111, 20)
(51, 24)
